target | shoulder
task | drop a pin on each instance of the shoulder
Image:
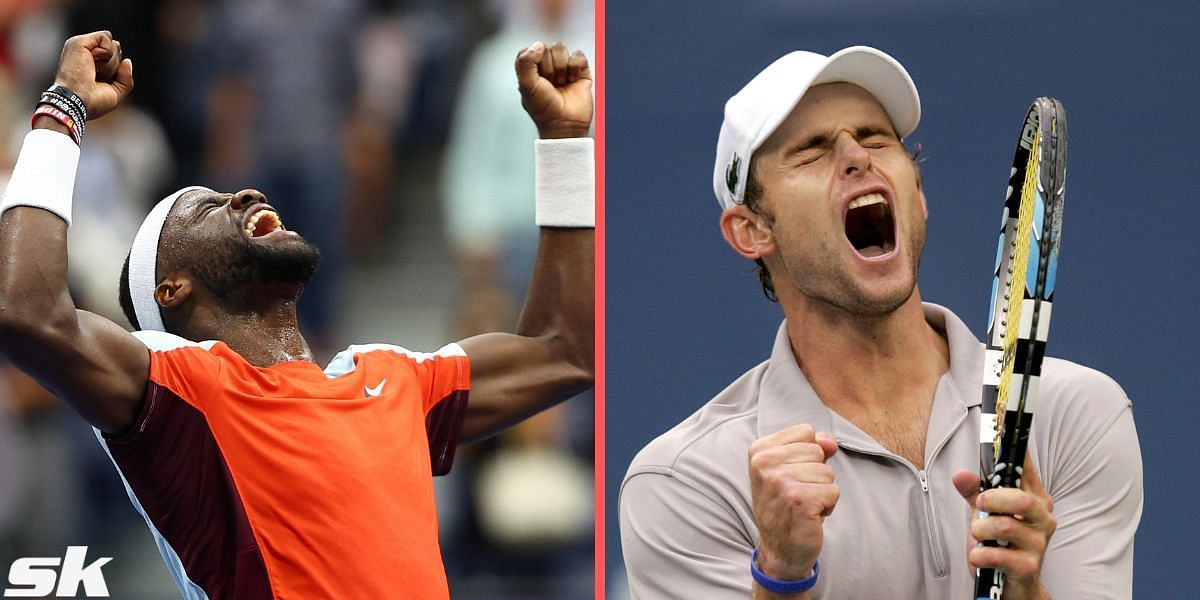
(189, 369)
(1064, 373)
(162, 341)
(178, 352)
(1079, 395)
(707, 451)
(1083, 421)
(684, 507)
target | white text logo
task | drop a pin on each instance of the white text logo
(35, 577)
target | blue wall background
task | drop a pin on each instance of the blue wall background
(686, 316)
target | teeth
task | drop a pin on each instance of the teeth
(866, 200)
(270, 215)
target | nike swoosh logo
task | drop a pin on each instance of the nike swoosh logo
(375, 391)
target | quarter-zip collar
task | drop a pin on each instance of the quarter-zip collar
(787, 397)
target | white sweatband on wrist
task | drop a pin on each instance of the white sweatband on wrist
(143, 263)
(566, 182)
(44, 176)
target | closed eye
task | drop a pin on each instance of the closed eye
(209, 206)
(810, 156)
(874, 137)
(205, 206)
(816, 147)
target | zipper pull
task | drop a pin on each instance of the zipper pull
(924, 480)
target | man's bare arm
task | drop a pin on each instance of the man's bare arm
(551, 356)
(90, 362)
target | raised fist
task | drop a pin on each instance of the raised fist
(556, 90)
(91, 65)
(792, 490)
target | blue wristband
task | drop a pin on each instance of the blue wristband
(782, 586)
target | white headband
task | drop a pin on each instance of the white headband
(143, 261)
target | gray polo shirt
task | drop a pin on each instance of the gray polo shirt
(687, 527)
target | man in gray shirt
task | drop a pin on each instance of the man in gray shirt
(869, 402)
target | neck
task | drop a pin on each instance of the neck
(260, 326)
(866, 364)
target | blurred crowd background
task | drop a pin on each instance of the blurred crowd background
(390, 133)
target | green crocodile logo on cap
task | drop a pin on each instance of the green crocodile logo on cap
(731, 174)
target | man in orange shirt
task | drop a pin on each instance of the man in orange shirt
(260, 474)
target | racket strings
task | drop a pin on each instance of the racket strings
(1014, 287)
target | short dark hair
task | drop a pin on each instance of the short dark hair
(125, 298)
(753, 201)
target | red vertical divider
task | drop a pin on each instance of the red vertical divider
(598, 72)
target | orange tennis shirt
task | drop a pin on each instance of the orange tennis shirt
(293, 482)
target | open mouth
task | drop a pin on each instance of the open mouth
(869, 225)
(262, 222)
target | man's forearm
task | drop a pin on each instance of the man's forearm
(33, 262)
(560, 305)
(33, 265)
(551, 358)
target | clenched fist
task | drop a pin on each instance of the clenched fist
(792, 491)
(92, 66)
(556, 90)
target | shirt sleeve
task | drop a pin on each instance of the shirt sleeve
(1095, 480)
(679, 542)
(441, 374)
(189, 369)
(445, 378)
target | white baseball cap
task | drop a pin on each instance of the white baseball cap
(756, 111)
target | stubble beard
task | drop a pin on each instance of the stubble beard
(830, 285)
(228, 264)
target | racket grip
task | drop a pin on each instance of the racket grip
(989, 583)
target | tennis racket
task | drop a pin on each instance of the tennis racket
(1022, 296)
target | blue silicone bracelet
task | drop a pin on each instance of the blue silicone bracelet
(782, 586)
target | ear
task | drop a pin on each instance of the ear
(747, 232)
(173, 290)
(920, 188)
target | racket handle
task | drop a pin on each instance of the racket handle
(989, 583)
